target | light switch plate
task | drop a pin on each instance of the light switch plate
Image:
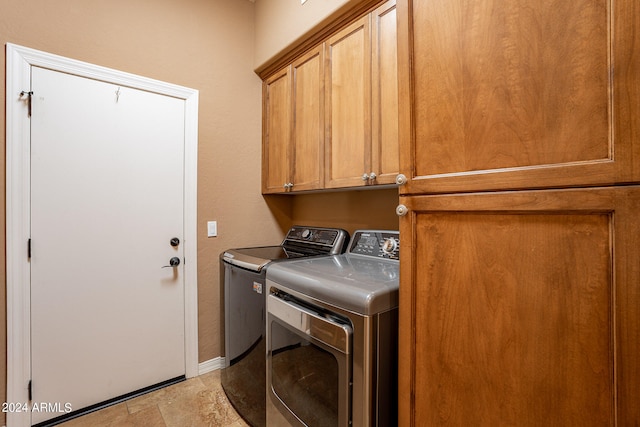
(212, 228)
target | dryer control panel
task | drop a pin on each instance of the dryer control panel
(376, 243)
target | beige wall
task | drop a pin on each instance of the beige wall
(281, 22)
(206, 45)
(351, 210)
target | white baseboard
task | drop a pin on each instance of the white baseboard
(211, 365)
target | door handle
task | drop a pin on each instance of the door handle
(173, 262)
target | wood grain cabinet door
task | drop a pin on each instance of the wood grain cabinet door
(385, 160)
(362, 101)
(293, 126)
(521, 308)
(308, 121)
(348, 105)
(276, 132)
(518, 94)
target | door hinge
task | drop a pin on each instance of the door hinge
(29, 249)
(30, 390)
(29, 95)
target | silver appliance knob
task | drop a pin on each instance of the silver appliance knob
(307, 234)
(389, 246)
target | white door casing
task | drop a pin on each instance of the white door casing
(20, 63)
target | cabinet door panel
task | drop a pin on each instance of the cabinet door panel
(348, 83)
(384, 90)
(308, 121)
(276, 132)
(518, 95)
(521, 308)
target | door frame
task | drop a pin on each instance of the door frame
(19, 62)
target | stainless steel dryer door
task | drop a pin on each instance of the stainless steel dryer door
(308, 362)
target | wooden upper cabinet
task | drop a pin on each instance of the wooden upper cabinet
(308, 121)
(348, 105)
(276, 132)
(362, 101)
(520, 308)
(293, 126)
(330, 119)
(525, 95)
(385, 157)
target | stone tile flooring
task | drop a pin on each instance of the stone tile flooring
(196, 402)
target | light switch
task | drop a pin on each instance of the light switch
(212, 228)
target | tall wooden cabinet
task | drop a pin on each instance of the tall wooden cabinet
(518, 96)
(520, 271)
(521, 308)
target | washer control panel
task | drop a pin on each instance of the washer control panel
(376, 243)
(323, 236)
(324, 241)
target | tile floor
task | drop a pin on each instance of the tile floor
(196, 402)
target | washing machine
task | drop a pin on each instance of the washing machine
(243, 275)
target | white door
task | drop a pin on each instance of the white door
(107, 171)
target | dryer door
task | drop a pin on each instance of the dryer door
(308, 363)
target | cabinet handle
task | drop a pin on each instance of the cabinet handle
(402, 210)
(401, 179)
(365, 177)
(372, 176)
(288, 186)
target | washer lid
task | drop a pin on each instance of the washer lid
(254, 259)
(360, 284)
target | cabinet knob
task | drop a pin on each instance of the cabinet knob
(288, 186)
(371, 176)
(402, 210)
(401, 179)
